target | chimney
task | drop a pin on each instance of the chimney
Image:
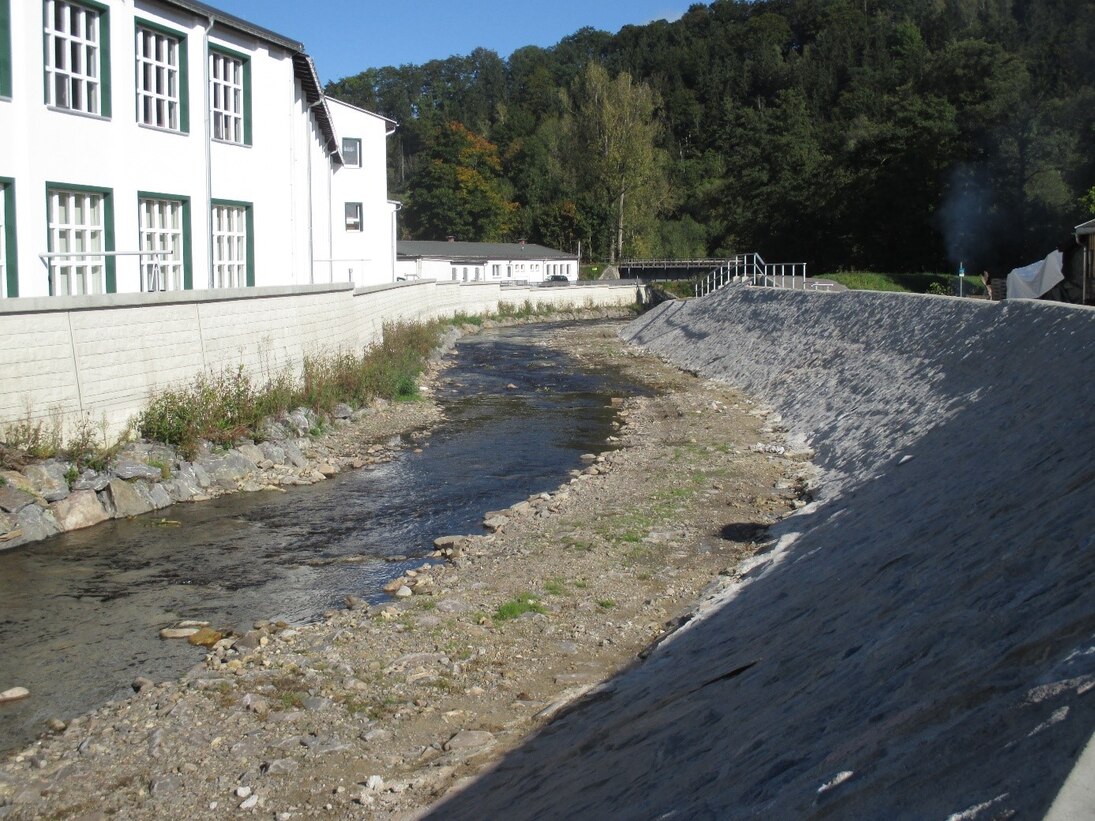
(450, 238)
(521, 242)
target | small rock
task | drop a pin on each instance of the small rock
(466, 739)
(14, 694)
(178, 632)
(140, 683)
(376, 735)
(243, 792)
(205, 637)
(250, 803)
(403, 592)
(375, 783)
(56, 725)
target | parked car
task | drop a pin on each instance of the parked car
(557, 279)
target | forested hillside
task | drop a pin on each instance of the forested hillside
(901, 135)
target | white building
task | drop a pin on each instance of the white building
(162, 144)
(483, 262)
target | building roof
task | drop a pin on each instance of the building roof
(358, 108)
(239, 24)
(411, 249)
(1085, 228)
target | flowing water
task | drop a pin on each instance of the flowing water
(80, 613)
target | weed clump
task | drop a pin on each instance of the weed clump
(525, 603)
(223, 406)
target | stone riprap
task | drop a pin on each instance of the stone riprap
(918, 641)
(51, 497)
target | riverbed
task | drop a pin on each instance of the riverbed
(80, 613)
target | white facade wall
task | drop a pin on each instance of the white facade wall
(101, 357)
(284, 175)
(362, 254)
(489, 269)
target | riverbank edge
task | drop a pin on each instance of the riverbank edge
(47, 497)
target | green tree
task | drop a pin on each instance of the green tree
(459, 190)
(611, 134)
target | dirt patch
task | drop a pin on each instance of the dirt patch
(382, 710)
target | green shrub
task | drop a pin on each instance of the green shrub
(224, 406)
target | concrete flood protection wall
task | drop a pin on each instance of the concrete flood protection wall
(63, 358)
(918, 642)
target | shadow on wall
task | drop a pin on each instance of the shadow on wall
(917, 644)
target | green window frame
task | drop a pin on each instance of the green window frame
(5, 48)
(9, 283)
(230, 96)
(154, 235)
(157, 98)
(76, 237)
(76, 65)
(226, 244)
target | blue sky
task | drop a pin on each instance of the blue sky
(347, 36)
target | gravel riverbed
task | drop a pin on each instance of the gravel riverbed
(380, 711)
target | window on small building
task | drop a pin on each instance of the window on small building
(455, 274)
(78, 226)
(496, 270)
(351, 152)
(5, 48)
(4, 228)
(76, 57)
(353, 216)
(163, 233)
(161, 79)
(229, 97)
(231, 257)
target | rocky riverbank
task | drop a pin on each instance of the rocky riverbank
(379, 711)
(41, 499)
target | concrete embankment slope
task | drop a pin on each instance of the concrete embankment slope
(920, 641)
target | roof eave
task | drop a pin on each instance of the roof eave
(237, 23)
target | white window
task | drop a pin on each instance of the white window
(229, 246)
(353, 216)
(72, 51)
(351, 152)
(158, 80)
(226, 80)
(3, 241)
(455, 274)
(496, 270)
(76, 234)
(162, 243)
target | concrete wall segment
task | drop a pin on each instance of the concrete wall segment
(104, 355)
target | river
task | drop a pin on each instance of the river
(80, 613)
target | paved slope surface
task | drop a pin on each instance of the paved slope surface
(917, 643)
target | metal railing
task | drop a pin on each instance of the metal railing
(753, 270)
(151, 279)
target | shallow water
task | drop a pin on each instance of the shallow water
(80, 613)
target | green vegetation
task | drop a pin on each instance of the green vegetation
(606, 604)
(86, 445)
(221, 407)
(880, 134)
(524, 603)
(555, 587)
(914, 283)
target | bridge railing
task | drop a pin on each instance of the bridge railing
(751, 268)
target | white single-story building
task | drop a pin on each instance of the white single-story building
(151, 145)
(482, 261)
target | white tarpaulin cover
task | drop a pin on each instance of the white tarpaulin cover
(1031, 281)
